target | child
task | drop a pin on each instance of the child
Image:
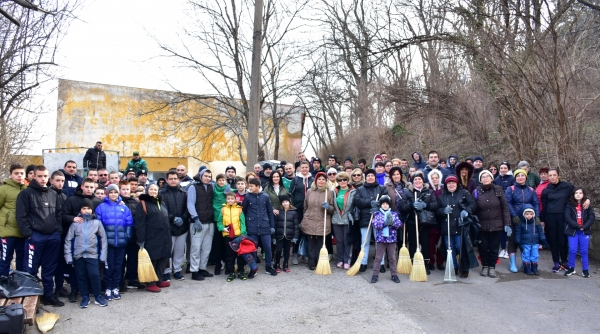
(82, 243)
(218, 250)
(260, 222)
(231, 223)
(385, 224)
(118, 224)
(286, 232)
(240, 185)
(578, 226)
(529, 234)
(99, 193)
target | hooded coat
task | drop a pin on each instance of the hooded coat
(407, 209)
(418, 164)
(72, 182)
(258, 212)
(287, 225)
(379, 225)
(152, 227)
(86, 240)
(517, 196)
(452, 168)
(471, 184)
(117, 221)
(72, 205)
(504, 181)
(9, 192)
(299, 187)
(587, 219)
(492, 208)
(38, 209)
(528, 232)
(314, 214)
(276, 197)
(454, 200)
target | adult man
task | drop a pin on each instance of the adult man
(103, 177)
(10, 235)
(39, 217)
(362, 164)
(130, 173)
(143, 180)
(478, 167)
(332, 160)
(301, 157)
(57, 182)
(433, 160)
(404, 167)
(533, 180)
(202, 228)
(317, 167)
(230, 176)
(175, 200)
(265, 175)
(298, 188)
(93, 174)
(257, 169)
(451, 164)
(72, 180)
(184, 179)
(94, 157)
(137, 163)
(347, 162)
(288, 176)
(384, 156)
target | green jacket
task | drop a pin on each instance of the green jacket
(219, 199)
(8, 209)
(137, 165)
(533, 180)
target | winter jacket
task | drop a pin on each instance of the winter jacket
(344, 216)
(152, 227)
(528, 232)
(379, 226)
(475, 176)
(264, 180)
(275, 197)
(94, 158)
(9, 192)
(555, 197)
(418, 164)
(407, 209)
(299, 187)
(62, 199)
(71, 183)
(587, 216)
(454, 200)
(445, 173)
(314, 214)
(287, 181)
(471, 184)
(492, 208)
(38, 209)
(362, 201)
(517, 196)
(117, 222)
(451, 168)
(138, 165)
(394, 190)
(504, 181)
(287, 225)
(86, 240)
(533, 180)
(200, 202)
(539, 190)
(231, 216)
(175, 200)
(73, 205)
(259, 214)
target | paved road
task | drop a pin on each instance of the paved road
(301, 301)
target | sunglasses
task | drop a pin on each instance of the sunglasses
(102, 174)
(356, 175)
(342, 180)
(330, 174)
(493, 168)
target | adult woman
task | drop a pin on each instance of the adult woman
(395, 190)
(505, 179)
(318, 206)
(154, 234)
(517, 196)
(357, 178)
(388, 164)
(436, 256)
(464, 173)
(342, 218)
(494, 217)
(493, 169)
(554, 201)
(543, 184)
(276, 191)
(356, 181)
(419, 201)
(331, 178)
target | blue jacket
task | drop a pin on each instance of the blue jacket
(117, 222)
(520, 196)
(449, 167)
(504, 181)
(71, 183)
(258, 211)
(528, 233)
(445, 173)
(420, 164)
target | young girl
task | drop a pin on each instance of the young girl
(578, 229)
(286, 232)
(385, 224)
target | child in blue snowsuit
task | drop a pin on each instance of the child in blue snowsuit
(529, 234)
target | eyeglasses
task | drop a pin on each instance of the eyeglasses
(102, 174)
(493, 168)
(342, 180)
(356, 175)
(330, 174)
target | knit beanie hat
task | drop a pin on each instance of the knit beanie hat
(370, 171)
(332, 170)
(385, 199)
(112, 187)
(478, 157)
(485, 171)
(520, 171)
(86, 202)
(451, 178)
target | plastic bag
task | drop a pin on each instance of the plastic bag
(303, 247)
(20, 284)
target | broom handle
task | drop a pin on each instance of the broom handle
(417, 223)
(449, 232)
(325, 219)
(403, 235)
(368, 236)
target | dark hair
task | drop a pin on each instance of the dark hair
(382, 153)
(403, 160)
(71, 161)
(220, 176)
(92, 170)
(29, 169)
(56, 173)
(172, 172)
(379, 163)
(388, 161)
(40, 168)
(431, 152)
(133, 178)
(238, 179)
(572, 197)
(15, 165)
(304, 163)
(255, 181)
(230, 194)
(362, 161)
(554, 169)
(271, 178)
(88, 180)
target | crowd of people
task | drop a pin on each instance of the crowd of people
(88, 231)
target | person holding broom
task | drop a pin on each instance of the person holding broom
(318, 205)
(154, 234)
(385, 224)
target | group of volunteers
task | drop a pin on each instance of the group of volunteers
(88, 231)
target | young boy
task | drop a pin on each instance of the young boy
(260, 222)
(100, 193)
(240, 185)
(10, 235)
(385, 224)
(57, 181)
(529, 234)
(217, 253)
(118, 224)
(231, 223)
(82, 243)
(131, 259)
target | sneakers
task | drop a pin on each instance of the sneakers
(252, 273)
(492, 273)
(197, 276)
(52, 300)
(178, 276)
(167, 278)
(339, 264)
(85, 301)
(62, 292)
(217, 269)
(116, 295)
(286, 269)
(556, 267)
(270, 271)
(73, 297)
(374, 279)
(295, 259)
(135, 285)
(586, 274)
(570, 271)
(108, 295)
(503, 254)
(164, 284)
(565, 266)
(382, 269)
(100, 301)
(242, 276)
(484, 271)
(395, 279)
(206, 273)
(363, 268)
(152, 288)
(346, 266)
(231, 277)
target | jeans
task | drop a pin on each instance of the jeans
(579, 241)
(88, 271)
(9, 247)
(455, 244)
(201, 246)
(530, 253)
(343, 248)
(266, 247)
(113, 267)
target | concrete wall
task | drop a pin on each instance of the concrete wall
(594, 248)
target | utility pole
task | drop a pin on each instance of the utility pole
(255, 85)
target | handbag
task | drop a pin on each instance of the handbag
(303, 247)
(426, 217)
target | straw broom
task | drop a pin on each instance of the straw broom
(404, 265)
(323, 266)
(418, 273)
(46, 321)
(146, 273)
(449, 277)
(356, 267)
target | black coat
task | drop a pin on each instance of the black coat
(407, 209)
(555, 197)
(153, 228)
(362, 200)
(176, 201)
(132, 204)
(287, 225)
(94, 158)
(587, 216)
(73, 204)
(38, 209)
(492, 208)
(454, 199)
(298, 188)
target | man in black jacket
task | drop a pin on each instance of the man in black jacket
(95, 157)
(175, 200)
(39, 219)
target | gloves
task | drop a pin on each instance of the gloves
(294, 240)
(448, 210)
(272, 230)
(375, 204)
(325, 205)
(516, 220)
(197, 225)
(274, 241)
(544, 244)
(389, 220)
(464, 214)
(419, 205)
(373, 210)
(508, 230)
(141, 244)
(178, 221)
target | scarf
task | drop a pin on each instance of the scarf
(387, 214)
(380, 178)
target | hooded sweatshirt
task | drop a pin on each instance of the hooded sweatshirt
(418, 164)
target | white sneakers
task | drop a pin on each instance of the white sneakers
(503, 254)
